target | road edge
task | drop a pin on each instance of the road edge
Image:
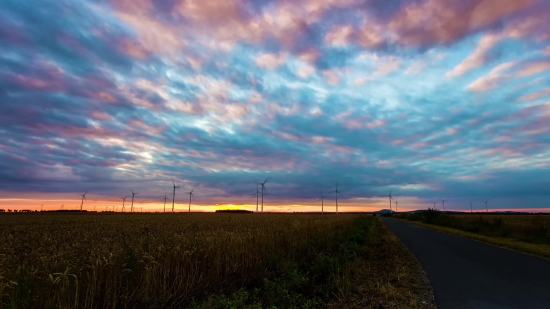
(425, 295)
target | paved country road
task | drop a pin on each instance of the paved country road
(471, 274)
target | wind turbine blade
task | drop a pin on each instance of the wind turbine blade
(266, 180)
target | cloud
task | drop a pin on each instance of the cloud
(533, 68)
(111, 95)
(387, 65)
(477, 58)
(492, 80)
(270, 61)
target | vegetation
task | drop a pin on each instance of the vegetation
(198, 261)
(234, 211)
(527, 233)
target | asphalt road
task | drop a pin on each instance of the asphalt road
(470, 274)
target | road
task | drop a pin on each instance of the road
(469, 274)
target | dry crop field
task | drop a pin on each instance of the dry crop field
(533, 229)
(528, 228)
(52, 260)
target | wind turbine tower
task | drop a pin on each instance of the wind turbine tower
(257, 197)
(443, 202)
(165, 198)
(83, 197)
(263, 189)
(336, 192)
(190, 195)
(396, 205)
(390, 197)
(123, 201)
(471, 208)
(133, 194)
(434, 205)
(487, 208)
(322, 198)
(174, 196)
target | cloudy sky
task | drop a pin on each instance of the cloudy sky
(429, 99)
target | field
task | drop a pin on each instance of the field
(199, 261)
(528, 233)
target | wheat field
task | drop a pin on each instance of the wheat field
(50, 260)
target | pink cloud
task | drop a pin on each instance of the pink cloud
(387, 65)
(331, 77)
(535, 95)
(534, 68)
(452, 131)
(370, 34)
(310, 55)
(305, 71)
(270, 61)
(320, 139)
(415, 68)
(100, 115)
(133, 49)
(363, 123)
(360, 81)
(477, 58)
(493, 79)
(439, 21)
(339, 35)
(104, 97)
(213, 11)
(154, 35)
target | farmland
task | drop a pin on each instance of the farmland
(528, 233)
(195, 261)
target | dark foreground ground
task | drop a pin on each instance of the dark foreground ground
(470, 274)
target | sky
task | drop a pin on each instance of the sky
(426, 99)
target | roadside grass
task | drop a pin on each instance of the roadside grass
(388, 277)
(527, 234)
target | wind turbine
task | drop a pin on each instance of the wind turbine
(83, 197)
(471, 208)
(390, 197)
(322, 198)
(123, 200)
(190, 195)
(263, 188)
(434, 205)
(174, 196)
(95, 207)
(486, 206)
(336, 192)
(443, 202)
(41, 206)
(396, 205)
(62, 207)
(165, 198)
(133, 194)
(257, 197)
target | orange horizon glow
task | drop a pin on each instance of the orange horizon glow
(329, 207)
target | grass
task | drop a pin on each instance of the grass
(525, 233)
(389, 277)
(200, 261)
